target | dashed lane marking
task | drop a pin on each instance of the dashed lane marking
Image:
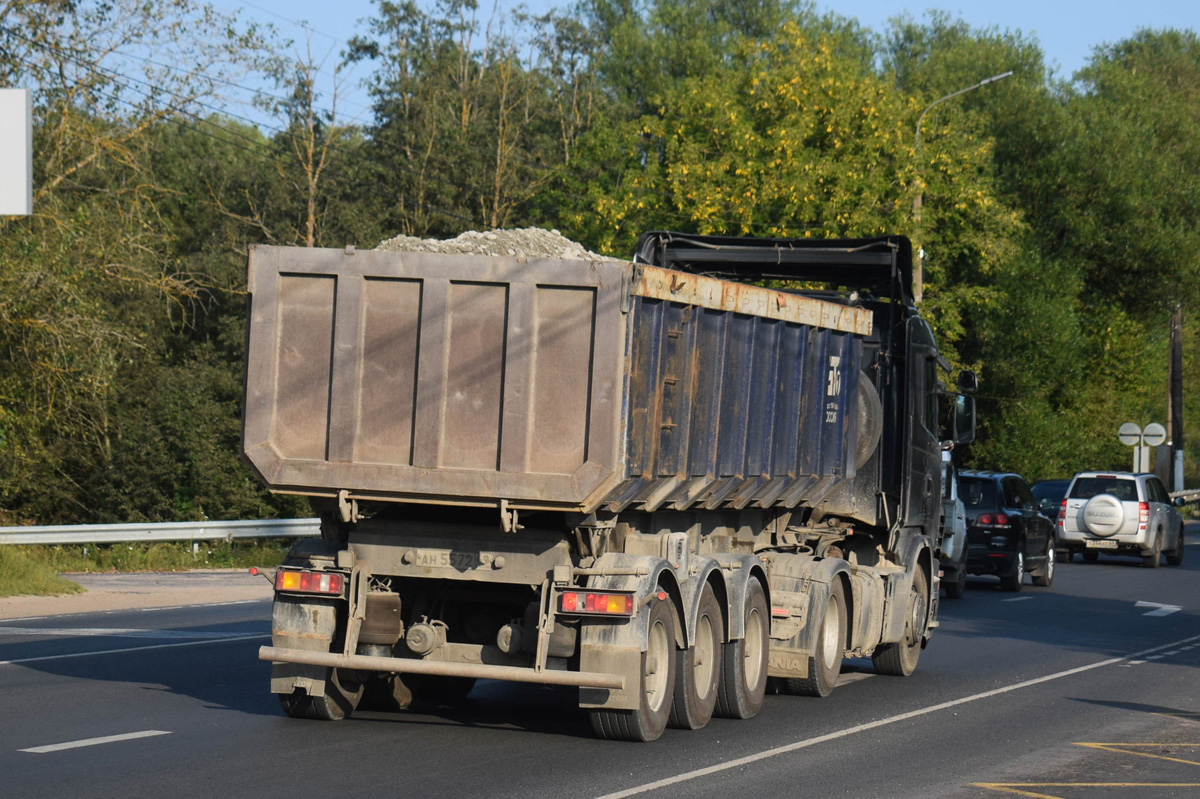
(107, 739)
(114, 632)
(70, 655)
(1017, 599)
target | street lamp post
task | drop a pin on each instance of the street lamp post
(919, 272)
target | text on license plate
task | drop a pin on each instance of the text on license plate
(1105, 544)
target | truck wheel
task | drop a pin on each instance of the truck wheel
(431, 690)
(649, 719)
(744, 663)
(1012, 580)
(340, 699)
(1175, 556)
(900, 659)
(825, 664)
(1154, 559)
(385, 693)
(698, 668)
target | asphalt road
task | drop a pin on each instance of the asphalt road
(1089, 688)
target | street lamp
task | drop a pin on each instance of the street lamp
(919, 272)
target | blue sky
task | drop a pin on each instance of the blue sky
(1068, 30)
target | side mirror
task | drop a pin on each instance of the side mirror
(968, 383)
(964, 419)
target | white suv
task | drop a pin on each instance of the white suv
(1120, 513)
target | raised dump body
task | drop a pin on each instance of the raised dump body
(654, 480)
(544, 384)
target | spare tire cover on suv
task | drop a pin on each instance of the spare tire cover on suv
(1103, 515)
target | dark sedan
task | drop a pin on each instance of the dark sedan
(1006, 534)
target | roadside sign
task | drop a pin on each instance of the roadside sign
(16, 152)
(1130, 434)
(1154, 434)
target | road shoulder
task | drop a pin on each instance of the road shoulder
(130, 591)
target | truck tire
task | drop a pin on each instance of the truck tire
(385, 693)
(656, 684)
(698, 668)
(340, 699)
(900, 659)
(744, 661)
(825, 664)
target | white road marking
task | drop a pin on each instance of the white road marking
(138, 610)
(1160, 609)
(129, 649)
(833, 736)
(107, 739)
(854, 676)
(114, 632)
(1017, 599)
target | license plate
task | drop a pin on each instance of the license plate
(1103, 544)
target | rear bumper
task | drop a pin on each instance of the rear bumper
(990, 561)
(1125, 542)
(414, 666)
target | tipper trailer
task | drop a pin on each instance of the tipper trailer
(653, 480)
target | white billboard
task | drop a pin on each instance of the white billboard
(16, 152)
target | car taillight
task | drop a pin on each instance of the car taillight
(1001, 520)
(1143, 514)
(984, 519)
(594, 604)
(1062, 511)
(309, 582)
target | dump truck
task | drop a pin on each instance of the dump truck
(668, 482)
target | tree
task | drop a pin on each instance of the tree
(88, 281)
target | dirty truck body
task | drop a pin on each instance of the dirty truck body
(651, 480)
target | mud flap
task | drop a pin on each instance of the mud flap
(301, 625)
(613, 646)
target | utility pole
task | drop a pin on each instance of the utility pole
(1175, 397)
(919, 270)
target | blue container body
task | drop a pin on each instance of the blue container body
(732, 410)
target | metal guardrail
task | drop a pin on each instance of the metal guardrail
(164, 531)
(1189, 496)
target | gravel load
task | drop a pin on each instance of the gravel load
(530, 242)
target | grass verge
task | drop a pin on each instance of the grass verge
(34, 570)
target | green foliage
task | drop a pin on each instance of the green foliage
(160, 556)
(24, 573)
(1057, 218)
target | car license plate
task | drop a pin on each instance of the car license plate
(1102, 544)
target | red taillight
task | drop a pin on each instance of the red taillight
(1062, 510)
(1001, 519)
(1143, 514)
(306, 582)
(984, 519)
(587, 602)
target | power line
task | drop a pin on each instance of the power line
(307, 29)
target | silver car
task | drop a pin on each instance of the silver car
(1120, 513)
